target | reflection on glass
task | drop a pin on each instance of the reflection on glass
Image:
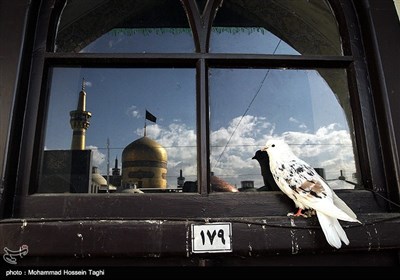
(120, 130)
(129, 26)
(310, 109)
(296, 27)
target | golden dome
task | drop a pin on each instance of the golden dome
(144, 148)
(144, 164)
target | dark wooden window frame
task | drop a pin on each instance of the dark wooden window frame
(173, 213)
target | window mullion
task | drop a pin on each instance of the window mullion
(202, 128)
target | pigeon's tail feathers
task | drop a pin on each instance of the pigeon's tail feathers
(333, 231)
(340, 231)
(343, 206)
(330, 209)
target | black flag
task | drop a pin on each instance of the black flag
(150, 117)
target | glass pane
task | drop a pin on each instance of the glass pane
(124, 27)
(310, 109)
(136, 127)
(293, 27)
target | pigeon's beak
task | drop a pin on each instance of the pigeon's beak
(256, 155)
(264, 149)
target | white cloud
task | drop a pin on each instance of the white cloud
(329, 148)
(233, 161)
(301, 125)
(132, 111)
(97, 157)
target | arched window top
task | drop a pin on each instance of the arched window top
(130, 26)
(294, 27)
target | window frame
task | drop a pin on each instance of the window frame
(203, 204)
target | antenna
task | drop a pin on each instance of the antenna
(108, 165)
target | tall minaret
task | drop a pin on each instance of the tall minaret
(80, 121)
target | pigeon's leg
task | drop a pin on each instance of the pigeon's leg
(298, 213)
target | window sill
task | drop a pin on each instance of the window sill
(170, 206)
(251, 237)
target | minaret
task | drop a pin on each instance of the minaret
(116, 170)
(80, 121)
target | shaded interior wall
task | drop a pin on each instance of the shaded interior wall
(384, 48)
(11, 35)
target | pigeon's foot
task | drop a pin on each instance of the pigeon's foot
(298, 213)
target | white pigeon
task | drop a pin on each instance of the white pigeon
(300, 182)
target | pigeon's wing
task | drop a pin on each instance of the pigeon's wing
(342, 205)
(289, 176)
(283, 178)
(310, 190)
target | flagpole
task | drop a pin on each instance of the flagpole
(149, 116)
(145, 126)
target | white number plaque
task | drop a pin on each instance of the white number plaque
(212, 238)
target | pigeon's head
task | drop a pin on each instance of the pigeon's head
(260, 155)
(277, 148)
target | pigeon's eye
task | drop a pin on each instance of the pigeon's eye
(273, 145)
